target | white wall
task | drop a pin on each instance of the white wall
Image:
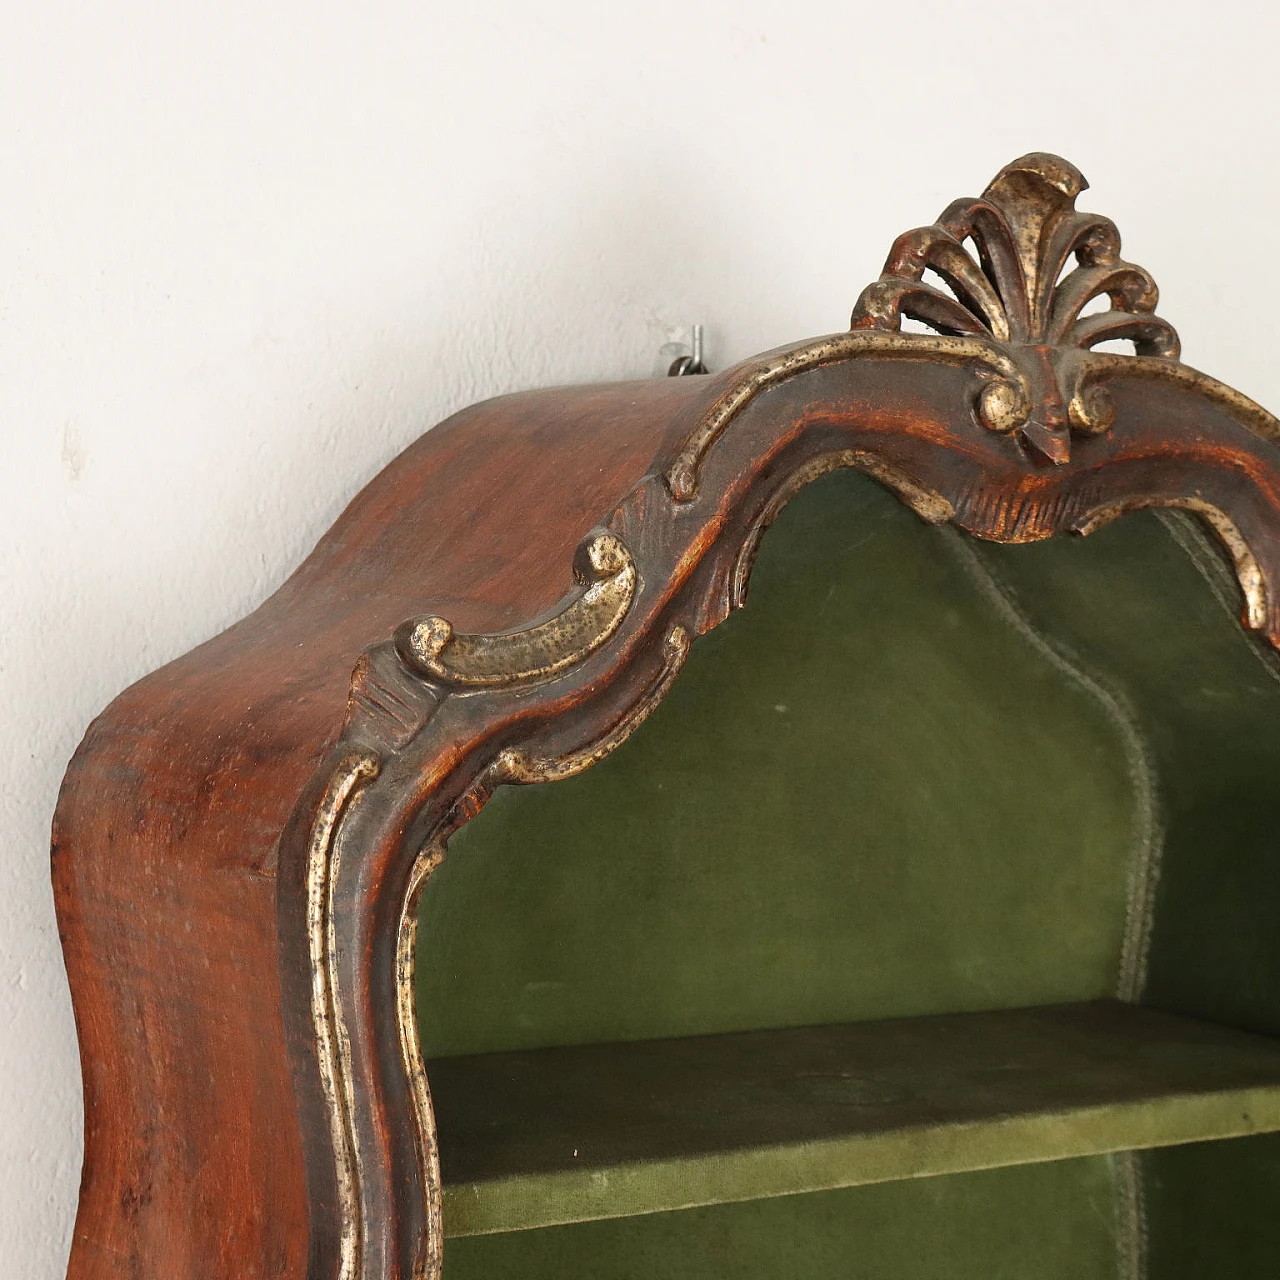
(248, 251)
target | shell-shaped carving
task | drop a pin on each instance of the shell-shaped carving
(1006, 259)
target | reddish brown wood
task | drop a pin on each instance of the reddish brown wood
(181, 837)
(166, 835)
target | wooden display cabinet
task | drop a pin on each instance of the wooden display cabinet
(924, 928)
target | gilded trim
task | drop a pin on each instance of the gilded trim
(682, 475)
(604, 566)
(515, 765)
(1005, 258)
(1249, 573)
(1251, 415)
(1004, 272)
(430, 1259)
(930, 506)
(1009, 301)
(333, 1045)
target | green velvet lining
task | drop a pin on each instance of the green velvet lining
(916, 775)
(868, 794)
(1042, 1222)
(1150, 608)
(1207, 699)
(1213, 1210)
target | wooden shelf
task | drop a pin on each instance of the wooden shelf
(533, 1139)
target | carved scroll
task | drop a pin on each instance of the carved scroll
(604, 566)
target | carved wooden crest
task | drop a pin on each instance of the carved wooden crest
(1005, 264)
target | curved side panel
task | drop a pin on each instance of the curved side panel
(208, 1153)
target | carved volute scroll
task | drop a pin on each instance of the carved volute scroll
(604, 568)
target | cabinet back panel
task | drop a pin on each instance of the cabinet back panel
(916, 774)
(1042, 1222)
(1207, 701)
(1150, 605)
(1213, 1209)
(875, 791)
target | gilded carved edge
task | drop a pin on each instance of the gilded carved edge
(517, 765)
(511, 765)
(333, 1046)
(993, 279)
(607, 574)
(1249, 574)
(929, 505)
(604, 567)
(1248, 413)
(429, 1259)
(1006, 394)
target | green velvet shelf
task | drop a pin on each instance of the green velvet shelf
(543, 1137)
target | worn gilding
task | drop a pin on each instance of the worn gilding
(975, 352)
(432, 648)
(429, 1260)
(931, 507)
(332, 1039)
(1003, 264)
(1011, 285)
(1253, 582)
(1008, 305)
(1248, 413)
(516, 765)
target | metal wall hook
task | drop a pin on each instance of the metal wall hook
(683, 366)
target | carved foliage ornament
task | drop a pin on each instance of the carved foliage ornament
(1008, 303)
(1006, 263)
